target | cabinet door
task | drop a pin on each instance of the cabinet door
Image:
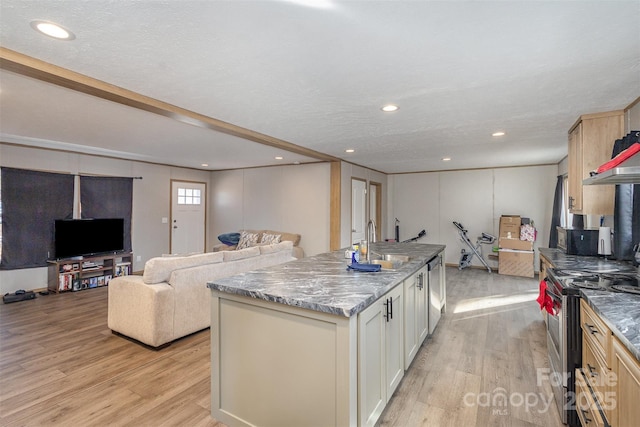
(394, 341)
(372, 389)
(590, 145)
(422, 306)
(411, 297)
(443, 284)
(575, 169)
(626, 412)
(598, 137)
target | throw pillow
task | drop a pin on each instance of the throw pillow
(229, 238)
(247, 240)
(270, 239)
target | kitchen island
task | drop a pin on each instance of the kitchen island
(310, 342)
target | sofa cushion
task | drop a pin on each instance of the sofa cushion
(158, 270)
(282, 246)
(270, 239)
(241, 253)
(292, 237)
(247, 239)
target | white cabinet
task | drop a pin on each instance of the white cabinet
(416, 317)
(443, 284)
(380, 354)
(437, 291)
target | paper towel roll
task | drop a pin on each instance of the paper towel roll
(604, 241)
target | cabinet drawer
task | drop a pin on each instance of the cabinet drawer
(588, 410)
(595, 331)
(597, 374)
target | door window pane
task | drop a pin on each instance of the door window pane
(189, 196)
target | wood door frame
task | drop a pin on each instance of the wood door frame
(206, 212)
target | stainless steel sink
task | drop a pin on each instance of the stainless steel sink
(389, 261)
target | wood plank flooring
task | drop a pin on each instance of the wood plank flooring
(61, 366)
(485, 365)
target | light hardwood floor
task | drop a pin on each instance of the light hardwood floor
(60, 365)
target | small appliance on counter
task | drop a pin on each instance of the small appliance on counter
(579, 241)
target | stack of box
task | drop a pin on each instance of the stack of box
(515, 257)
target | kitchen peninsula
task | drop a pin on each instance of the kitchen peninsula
(310, 342)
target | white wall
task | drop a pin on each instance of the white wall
(475, 198)
(151, 201)
(285, 198)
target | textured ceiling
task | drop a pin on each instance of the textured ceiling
(317, 76)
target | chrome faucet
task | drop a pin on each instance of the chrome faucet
(371, 237)
(371, 226)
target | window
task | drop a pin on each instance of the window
(189, 196)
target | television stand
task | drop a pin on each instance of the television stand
(79, 273)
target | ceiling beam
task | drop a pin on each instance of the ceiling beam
(31, 67)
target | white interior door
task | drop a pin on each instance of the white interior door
(358, 210)
(188, 201)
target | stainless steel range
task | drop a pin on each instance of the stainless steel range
(564, 336)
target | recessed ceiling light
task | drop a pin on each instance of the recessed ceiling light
(498, 133)
(389, 108)
(446, 159)
(204, 165)
(279, 157)
(52, 30)
(349, 150)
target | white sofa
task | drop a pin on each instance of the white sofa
(171, 300)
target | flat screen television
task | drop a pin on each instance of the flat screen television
(82, 237)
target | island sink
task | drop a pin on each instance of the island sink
(389, 261)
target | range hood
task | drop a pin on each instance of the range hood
(627, 172)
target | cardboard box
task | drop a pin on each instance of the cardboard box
(517, 244)
(510, 226)
(515, 263)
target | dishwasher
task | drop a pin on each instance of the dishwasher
(435, 291)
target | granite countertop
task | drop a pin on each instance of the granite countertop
(621, 313)
(323, 283)
(589, 263)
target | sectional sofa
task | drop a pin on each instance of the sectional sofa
(171, 300)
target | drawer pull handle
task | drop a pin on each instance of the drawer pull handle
(591, 328)
(592, 371)
(587, 420)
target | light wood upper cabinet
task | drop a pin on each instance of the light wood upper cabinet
(591, 141)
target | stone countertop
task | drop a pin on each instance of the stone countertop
(621, 313)
(590, 263)
(323, 283)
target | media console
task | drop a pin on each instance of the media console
(78, 273)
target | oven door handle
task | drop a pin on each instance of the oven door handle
(554, 296)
